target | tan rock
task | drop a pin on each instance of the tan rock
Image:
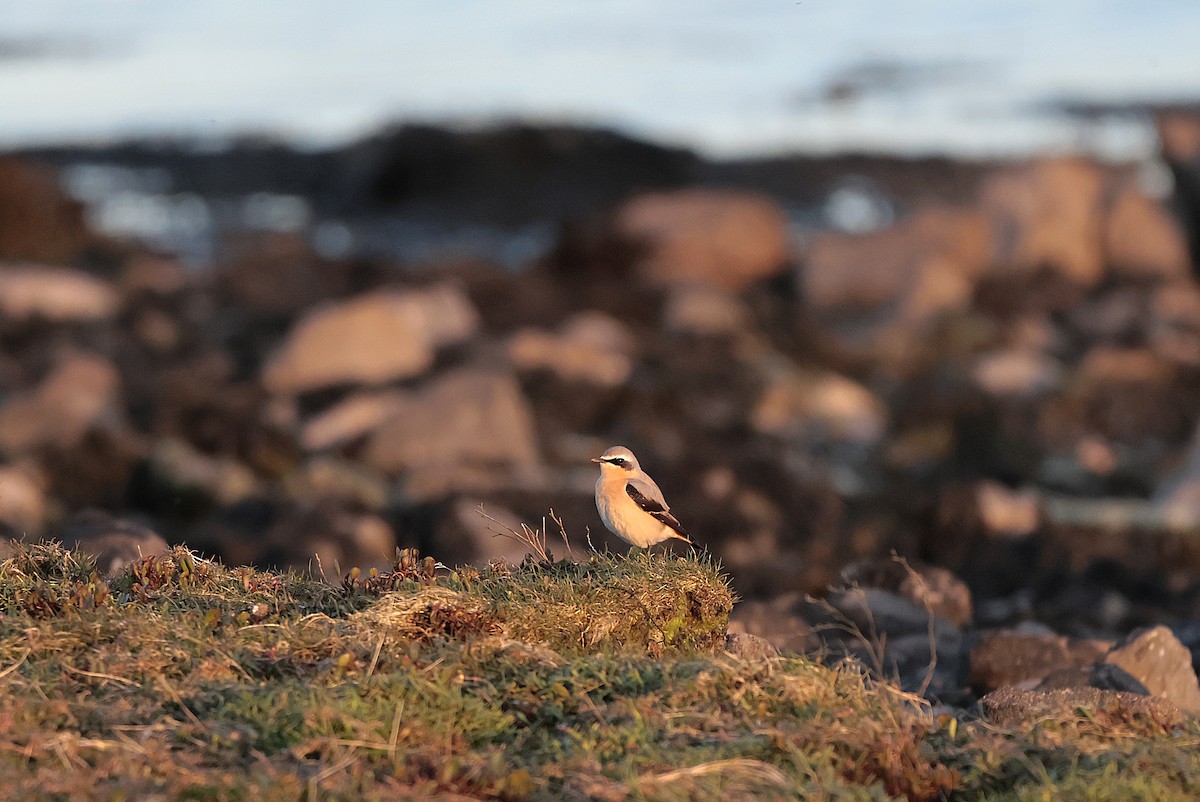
(351, 418)
(591, 347)
(725, 239)
(1049, 214)
(879, 294)
(1142, 239)
(177, 467)
(337, 479)
(819, 404)
(471, 417)
(1016, 373)
(22, 499)
(372, 339)
(1006, 513)
(699, 309)
(56, 294)
(82, 392)
(1159, 664)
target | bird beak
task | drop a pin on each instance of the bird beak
(597, 459)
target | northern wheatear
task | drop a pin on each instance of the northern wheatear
(630, 503)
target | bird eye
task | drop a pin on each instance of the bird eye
(619, 461)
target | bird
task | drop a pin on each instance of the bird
(630, 503)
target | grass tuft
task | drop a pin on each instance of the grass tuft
(605, 679)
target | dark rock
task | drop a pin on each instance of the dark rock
(894, 637)
(179, 480)
(1010, 707)
(465, 535)
(37, 219)
(325, 539)
(113, 542)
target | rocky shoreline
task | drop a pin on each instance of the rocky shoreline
(991, 370)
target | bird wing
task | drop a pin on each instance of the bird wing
(649, 498)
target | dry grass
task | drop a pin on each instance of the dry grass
(182, 679)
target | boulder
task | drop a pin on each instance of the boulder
(1173, 328)
(1048, 214)
(333, 539)
(892, 636)
(1025, 659)
(113, 542)
(591, 348)
(1152, 661)
(928, 586)
(177, 478)
(1013, 707)
(372, 339)
(879, 293)
(722, 238)
(1017, 373)
(23, 502)
(37, 219)
(776, 622)
(819, 406)
(1143, 240)
(751, 648)
(469, 418)
(55, 294)
(80, 394)
(353, 417)
(351, 484)
(703, 310)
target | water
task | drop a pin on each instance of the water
(726, 77)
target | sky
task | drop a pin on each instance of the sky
(727, 77)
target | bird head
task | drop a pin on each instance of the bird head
(617, 459)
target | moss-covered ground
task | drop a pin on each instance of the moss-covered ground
(606, 679)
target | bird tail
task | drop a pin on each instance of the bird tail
(682, 537)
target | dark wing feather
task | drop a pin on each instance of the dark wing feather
(657, 510)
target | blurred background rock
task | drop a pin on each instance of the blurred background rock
(849, 281)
